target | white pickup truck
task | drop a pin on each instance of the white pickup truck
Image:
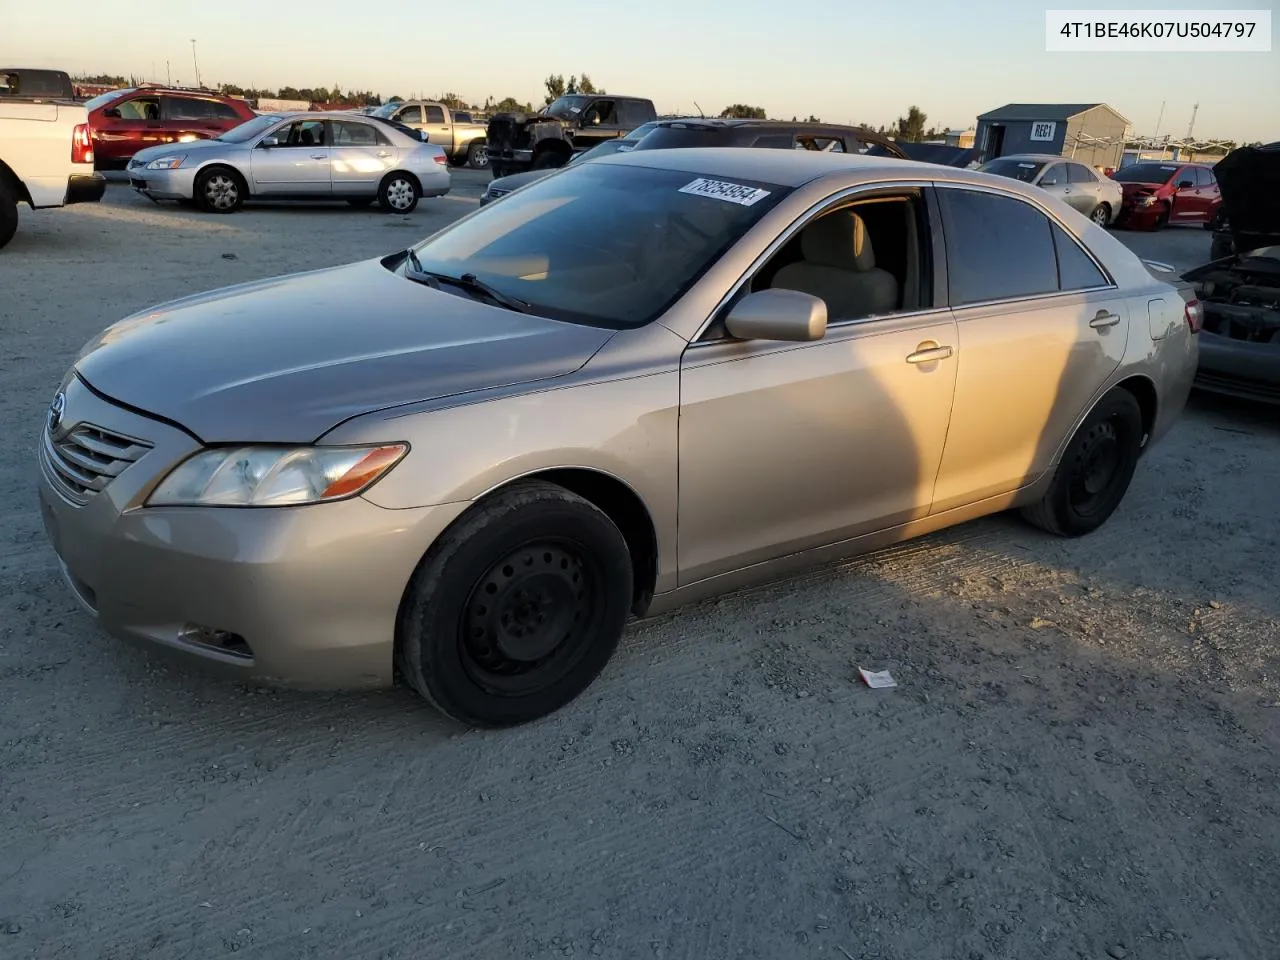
(46, 153)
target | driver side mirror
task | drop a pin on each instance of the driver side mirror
(778, 315)
(1183, 184)
(267, 142)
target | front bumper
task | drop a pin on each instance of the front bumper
(87, 188)
(1239, 368)
(1137, 215)
(179, 184)
(296, 596)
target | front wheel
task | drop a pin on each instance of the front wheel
(517, 607)
(548, 160)
(1095, 471)
(478, 156)
(220, 191)
(399, 193)
(1101, 215)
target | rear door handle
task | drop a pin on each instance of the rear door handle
(319, 156)
(928, 354)
(1104, 320)
(383, 154)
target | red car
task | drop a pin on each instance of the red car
(125, 121)
(1158, 193)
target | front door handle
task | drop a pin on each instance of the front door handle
(927, 354)
(1104, 320)
(383, 154)
(319, 156)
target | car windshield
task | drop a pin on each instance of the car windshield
(668, 136)
(1024, 170)
(601, 244)
(95, 102)
(1145, 173)
(566, 108)
(387, 109)
(249, 129)
(606, 149)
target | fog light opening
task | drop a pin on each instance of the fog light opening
(223, 641)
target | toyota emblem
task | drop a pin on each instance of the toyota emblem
(56, 409)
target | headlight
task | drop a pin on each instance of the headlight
(1146, 201)
(274, 476)
(166, 163)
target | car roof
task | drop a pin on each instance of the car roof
(1031, 156)
(788, 168)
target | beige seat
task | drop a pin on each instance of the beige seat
(839, 267)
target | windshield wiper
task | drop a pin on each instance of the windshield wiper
(468, 281)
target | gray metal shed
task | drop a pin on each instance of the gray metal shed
(1092, 133)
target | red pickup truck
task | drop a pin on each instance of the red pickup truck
(126, 121)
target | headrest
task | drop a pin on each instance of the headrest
(838, 240)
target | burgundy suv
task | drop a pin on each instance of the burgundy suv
(125, 121)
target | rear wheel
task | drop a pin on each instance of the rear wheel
(399, 193)
(548, 160)
(1095, 471)
(1101, 215)
(8, 214)
(517, 607)
(478, 156)
(220, 190)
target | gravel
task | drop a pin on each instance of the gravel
(1080, 759)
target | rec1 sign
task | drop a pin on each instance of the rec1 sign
(1043, 130)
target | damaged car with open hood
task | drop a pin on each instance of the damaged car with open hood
(1240, 287)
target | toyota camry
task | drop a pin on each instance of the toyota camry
(645, 380)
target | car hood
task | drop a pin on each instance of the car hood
(516, 180)
(285, 360)
(1130, 189)
(1249, 179)
(190, 146)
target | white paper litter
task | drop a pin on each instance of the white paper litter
(877, 679)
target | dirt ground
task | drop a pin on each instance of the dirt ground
(1082, 757)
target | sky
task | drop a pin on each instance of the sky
(843, 61)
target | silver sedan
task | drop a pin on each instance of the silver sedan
(1075, 184)
(297, 156)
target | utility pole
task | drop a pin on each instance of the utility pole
(1159, 119)
(1192, 125)
(168, 74)
(195, 61)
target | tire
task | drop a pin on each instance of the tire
(220, 190)
(548, 160)
(1096, 469)
(497, 170)
(478, 156)
(1101, 215)
(529, 546)
(399, 193)
(8, 214)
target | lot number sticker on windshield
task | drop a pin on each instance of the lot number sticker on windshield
(721, 190)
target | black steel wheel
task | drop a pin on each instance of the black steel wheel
(517, 607)
(1096, 469)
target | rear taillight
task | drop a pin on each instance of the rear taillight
(81, 144)
(441, 159)
(1194, 313)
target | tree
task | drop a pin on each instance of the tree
(586, 86)
(911, 127)
(744, 112)
(396, 99)
(509, 105)
(555, 87)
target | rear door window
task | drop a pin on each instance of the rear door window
(998, 248)
(187, 108)
(435, 114)
(1204, 177)
(1079, 173)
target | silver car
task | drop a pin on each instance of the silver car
(1096, 196)
(297, 156)
(649, 378)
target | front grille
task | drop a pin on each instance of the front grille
(87, 458)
